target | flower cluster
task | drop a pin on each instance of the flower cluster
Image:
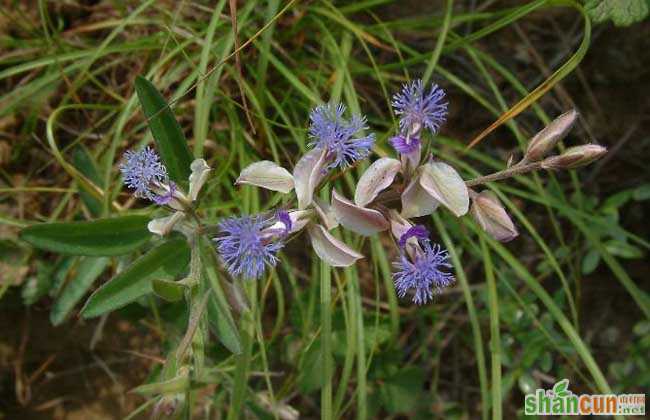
(330, 131)
(389, 195)
(248, 244)
(143, 172)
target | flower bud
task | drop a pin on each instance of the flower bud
(574, 157)
(547, 138)
(492, 217)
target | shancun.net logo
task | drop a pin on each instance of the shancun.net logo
(561, 401)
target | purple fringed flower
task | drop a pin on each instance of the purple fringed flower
(330, 131)
(422, 272)
(418, 109)
(143, 172)
(246, 248)
(405, 145)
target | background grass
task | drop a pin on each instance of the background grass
(568, 298)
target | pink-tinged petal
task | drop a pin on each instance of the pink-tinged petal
(267, 174)
(492, 217)
(416, 201)
(361, 220)
(446, 186)
(200, 171)
(309, 171)
(331, 250)
(375, 179)
(163, 225)
(325, 214)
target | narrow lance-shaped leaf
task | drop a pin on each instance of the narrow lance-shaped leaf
(168, 134)
(219, 312)
(376, 178)
(267, 174)
(358, 219)
(331, 250)
(163, 262)
(82, 160)
(87, 272)
(445, 185)
(97, 238)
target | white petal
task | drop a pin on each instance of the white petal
(199, 175)
(398, 224)
(299, 219)
(445, 185)
(325, 214)
(492, 217)
(376, 178)
(163, 225)
(358, 219)
(330, 249)
(266, 174)
(309, 171)
(416, 201)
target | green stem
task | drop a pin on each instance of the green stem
(326, 340)
(495, 338)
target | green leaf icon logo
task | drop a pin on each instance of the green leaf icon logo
(560, 388)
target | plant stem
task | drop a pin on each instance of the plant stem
(518, 169)
(326, 336)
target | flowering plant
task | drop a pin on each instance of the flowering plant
(205, 263)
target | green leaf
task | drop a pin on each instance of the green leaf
(82, 160)
(165, 261)
(171, 291)
(37, 285)
(642, 192)
(402, 392)
(97, 238)
(88, 271)
(219, 313)
(621, 12)
(623, 249)
(590, 261)
(168, 134)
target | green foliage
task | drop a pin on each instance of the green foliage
(101, 237)
(170, 140)
(165, 261)
(621, 12)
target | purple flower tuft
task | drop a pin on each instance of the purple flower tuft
(421, 273)
(417, 231)
(405, 145)
(330, 131)
(418, 109)
(244, 248)
(143, 172)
